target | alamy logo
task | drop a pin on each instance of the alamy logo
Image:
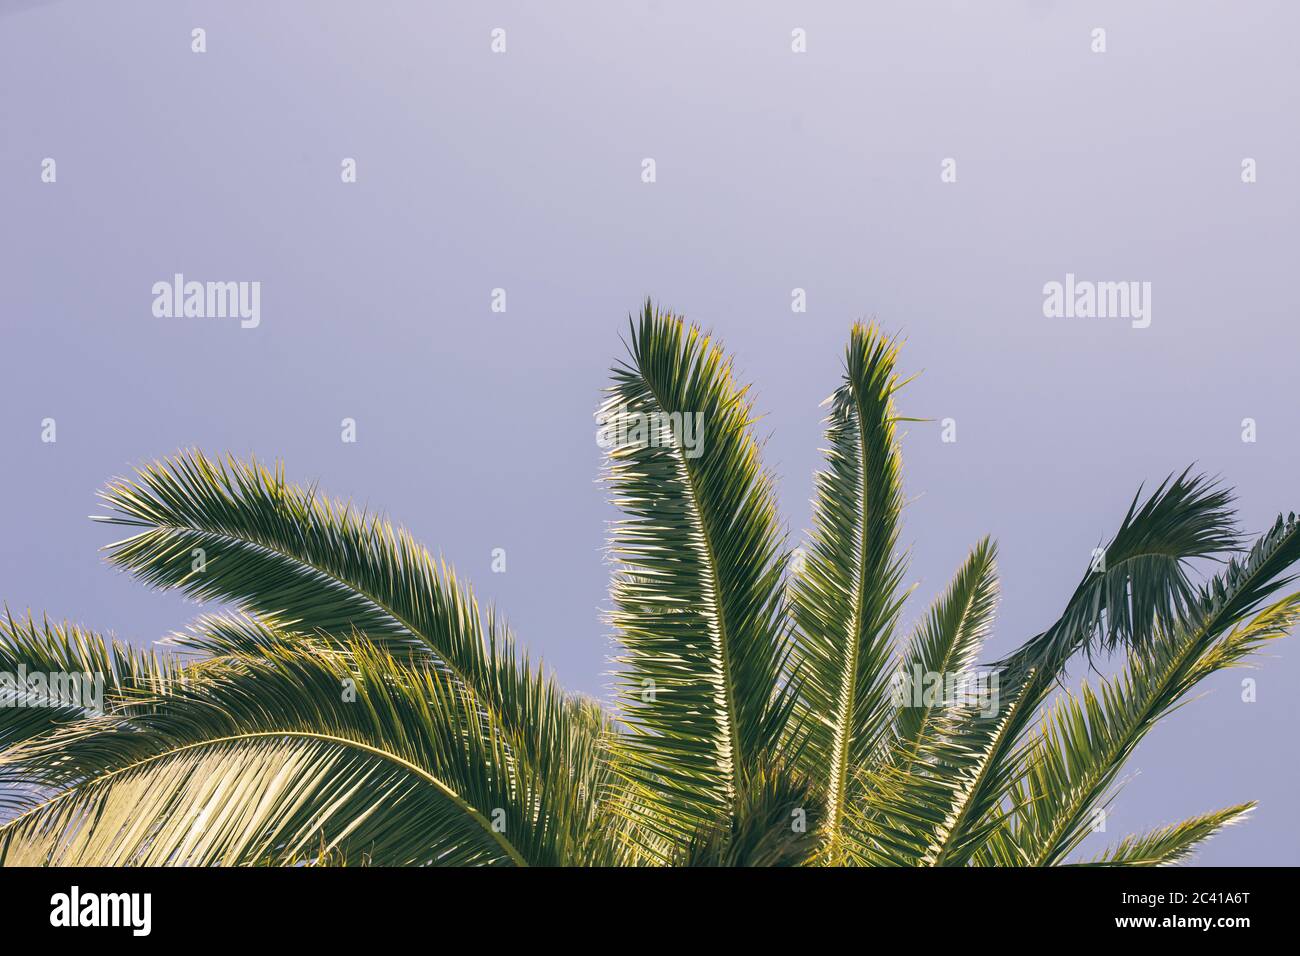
(75, 908)
(965, 689)
(208, 300)
(1098, 300)
(622, 428)
(35, 689)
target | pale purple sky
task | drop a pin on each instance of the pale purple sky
(774, 171)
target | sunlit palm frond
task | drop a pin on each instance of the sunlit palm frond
(578, 784)
(777, 826)
(1173, 844)
(240, 533)
(240, 753)
(915, 789)
(251, 799)
(697, 592)
(81, 674)
(847, 592)
(934, 804)
(947, 641)
(51, 647)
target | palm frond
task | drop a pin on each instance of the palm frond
(252, 799)
(52, 647)
(578, 784)
(776, 826)
(697, 596)
(82, 675)
(847, 594)
(1168, 846)
(934, 803)
(256, 726)
(1142, 580)
(916, 790)
(1142, 585)
(949, 638)
(1085, 740)
(240, 533)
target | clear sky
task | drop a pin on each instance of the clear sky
(774, 170)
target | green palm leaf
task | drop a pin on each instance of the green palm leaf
(1141, 582)
(914, 793)
(253, 799)
(240, 533)
(1142, 585)
(80, 661)
(1085, 740)
(778, 826)
(948, 640)
(359, 706)
(697, 594)
(945, 812)
(846, 596)
(935, 803)
(1172, 844)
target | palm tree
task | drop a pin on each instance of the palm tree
(354, 706)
